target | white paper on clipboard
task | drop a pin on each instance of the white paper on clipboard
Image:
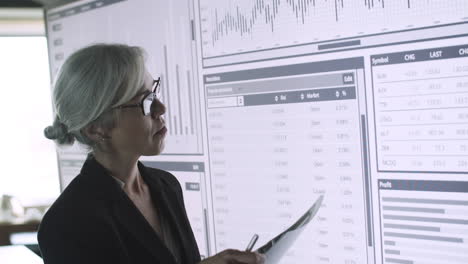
(275, 249)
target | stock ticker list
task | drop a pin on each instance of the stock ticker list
(279, 137)
(421, 108)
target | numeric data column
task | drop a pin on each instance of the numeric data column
(421, 108)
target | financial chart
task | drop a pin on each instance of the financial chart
(421, 109)
(272, 103)
(256, 133)
(168, 58)
(428, 214)
(235, 26)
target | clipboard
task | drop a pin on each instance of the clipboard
(275, 249)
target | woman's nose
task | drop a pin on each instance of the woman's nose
(157, 109)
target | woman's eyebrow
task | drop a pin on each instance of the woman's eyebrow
(139, 95)
(142, 92)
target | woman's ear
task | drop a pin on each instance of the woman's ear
(95, 133)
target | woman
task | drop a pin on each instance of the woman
(117, 210)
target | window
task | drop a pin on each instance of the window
(29, 162)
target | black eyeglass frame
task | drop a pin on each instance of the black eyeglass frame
(155, 94)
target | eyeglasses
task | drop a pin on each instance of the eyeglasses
(148, 100)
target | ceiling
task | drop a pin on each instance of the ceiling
(19, 3)
(31, 3)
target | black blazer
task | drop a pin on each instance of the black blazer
(94, 221)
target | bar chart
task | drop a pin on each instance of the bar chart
(182, 104)
(170, 49)
(424, 221)
(174, 59)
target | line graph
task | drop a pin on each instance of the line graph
(232, 26)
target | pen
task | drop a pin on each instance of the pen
(252, 242)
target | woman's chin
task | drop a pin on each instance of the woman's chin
(158, 149)
(161, 149)
(155, 149)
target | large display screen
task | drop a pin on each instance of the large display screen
(272, 103)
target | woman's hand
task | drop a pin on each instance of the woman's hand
(231, 256)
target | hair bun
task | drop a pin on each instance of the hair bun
(59, 132)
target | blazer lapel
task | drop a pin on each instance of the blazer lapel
(170, 204)
(104, 187)
(131, 219)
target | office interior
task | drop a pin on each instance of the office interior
(271, 106)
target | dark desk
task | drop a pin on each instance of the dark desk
(6, 229)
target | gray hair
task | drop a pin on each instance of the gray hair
(90, 83)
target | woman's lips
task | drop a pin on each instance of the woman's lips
(162, 131)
